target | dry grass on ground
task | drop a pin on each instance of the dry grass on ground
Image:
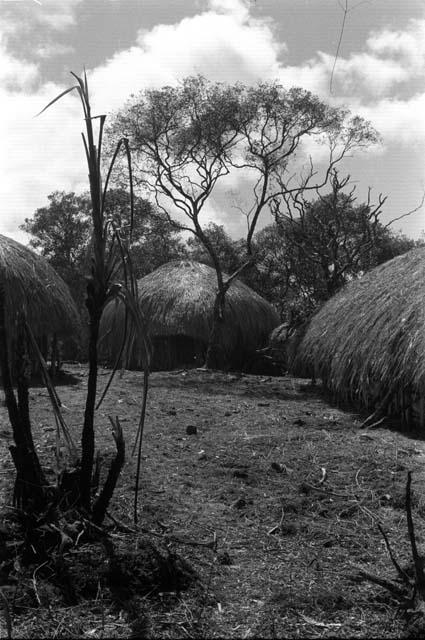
(252, 477)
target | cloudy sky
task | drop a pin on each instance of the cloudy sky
(127, 45)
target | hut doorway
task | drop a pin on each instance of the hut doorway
(172, 352)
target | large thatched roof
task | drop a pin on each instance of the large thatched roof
(177, 299)
(32, 285)
(369, 339)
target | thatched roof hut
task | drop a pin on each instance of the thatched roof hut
(368, 342)
(177, 300)
(33, 286)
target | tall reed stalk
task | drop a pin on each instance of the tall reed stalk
(109, 256)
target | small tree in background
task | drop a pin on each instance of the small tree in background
(61, 232)
(317, 246)
(186, 139)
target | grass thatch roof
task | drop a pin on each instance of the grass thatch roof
(178, 298)
(32, 285)
(369, 339)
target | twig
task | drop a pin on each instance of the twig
(331, 493)
(357, 477)
(409, 213)
(207, 589)
(120, 525)
(392, 587)
(323, 476)
(139, 436)
(403, 575)
(419, 572)
(192, 543)
(374, 424)
(7, 615)
(341, 33)
(34, 581)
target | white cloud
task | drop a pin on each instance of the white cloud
(226, 46)
(364, 73)
(57, 15)
(38, 155)
(20, 18)
(398, 121)
(409, 45)
(14, 74)
(223, 42)
(237, 8)
(53, 49)
(391, 58)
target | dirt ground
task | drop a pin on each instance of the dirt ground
(271, 494)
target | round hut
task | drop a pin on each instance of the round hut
(177, 300)
(32, 286)
(367, 343)
(283, 344)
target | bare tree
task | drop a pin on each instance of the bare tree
(332, 235)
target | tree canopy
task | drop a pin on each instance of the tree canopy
(186, 138)
(61, 232)
(315, 247)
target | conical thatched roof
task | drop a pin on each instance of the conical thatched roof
(177, 299)
(31, 284)
(369, 339)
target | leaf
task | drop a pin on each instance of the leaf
(58, 98)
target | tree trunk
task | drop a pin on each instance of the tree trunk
(30, 484)
(54, 357)
(215, 357)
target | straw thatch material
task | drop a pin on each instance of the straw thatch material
(33, 286)
(177, 300)
(368, 341)
(283, 343)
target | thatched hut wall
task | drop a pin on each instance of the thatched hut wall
(367, 343)
(177, 300)
(32, 286)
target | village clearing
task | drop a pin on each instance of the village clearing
(270, 494)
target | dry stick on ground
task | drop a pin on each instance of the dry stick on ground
(403, 575)
(191, 543)
(380, 413)
(412, 592)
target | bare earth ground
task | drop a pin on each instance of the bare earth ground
(289, 535)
